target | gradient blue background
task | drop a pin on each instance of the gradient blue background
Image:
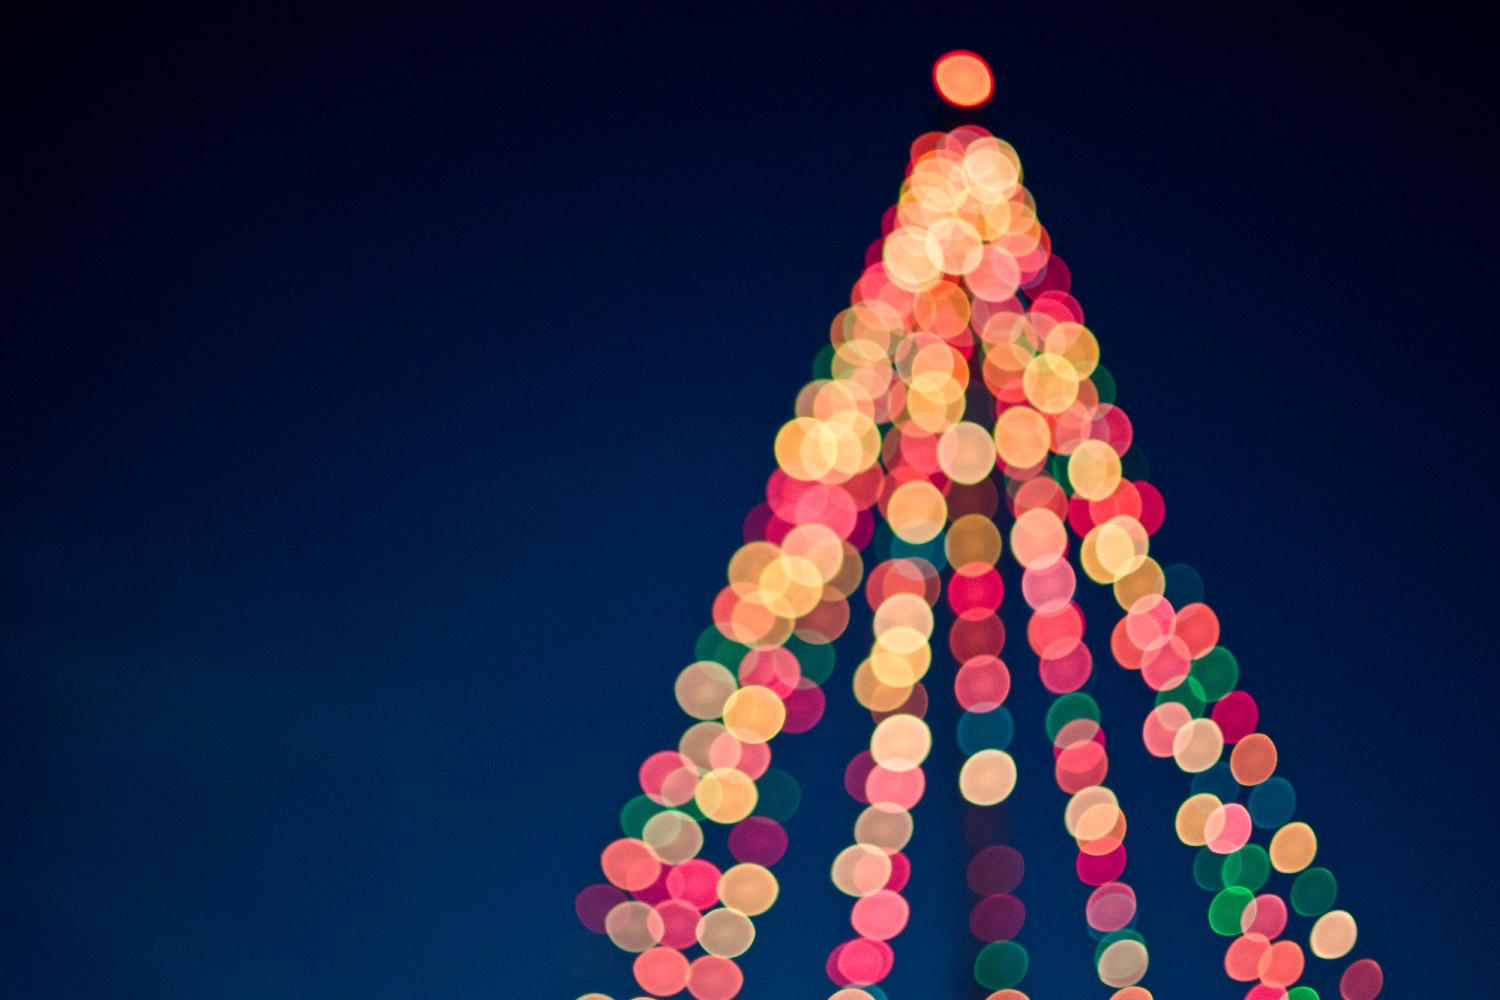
(384, 388)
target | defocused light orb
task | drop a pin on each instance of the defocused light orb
(963, 79)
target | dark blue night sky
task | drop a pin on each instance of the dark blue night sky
(384, 389)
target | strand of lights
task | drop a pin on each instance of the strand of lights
(1176, 651)
(988, 775)
(787, 595)
(1048, 356)
(1093, 816)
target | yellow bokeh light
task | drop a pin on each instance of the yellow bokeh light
(725, 795)
(987, 778)
(917, 511)
(749, 888)
(754, 714)
(901, 742)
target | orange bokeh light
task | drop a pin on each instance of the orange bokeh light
(963, 79)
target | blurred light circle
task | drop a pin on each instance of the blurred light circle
(1022, 437)
(1094, 470)
(712, 977)
(961, 247)
(804, 707)
(698, 741)
(1110, 907)
(1038, 538)
(864, 961)
(1226, 914)
(972, 538)
(1198, 626)
(1147, 579)
(861, 870)
(917, 511)
(749, 888)
(680, 920)
(1162, 725)
(668, 777)
(1050, 382)
(1056, 635)
(1123, 963)
(1068, 707)
(966, 452)
(997, 917)
(895, 789)
(772, 667)
(1114, 549)
(1227, 828)
(1333, 935)
(1048, 587)
(1067, 672)
(901, 742)
(673, 835)
(982, 684)
(661, 971)
(884, 826)
(779, 795)
(969, 638)
(903, 611)
(1272, 803)
(754, 714)
(987, 778)
(997, 275)
(1192, 819)
(1314, 892)
(912, 260)
(726, 795)
(1085, 803)
(996, 869)
(975, 590)
(1362, 981)
(634, 926)
(1097, 869)
(1197, 745)
(963, 79)
(594, 903)
(630, 864)
(1000, 965)
(1236, 714)
(703, 687)
(1253, 759)
(725, 932)
(1099, 820)
(1293, 847)
(1166, 667)
(758, 840)
(1242, 958)
(880, 916)
(1081, 765)
(1249, 867)
(1267, 916)
(1218, 672)
(806, 448)
(1149, 622)
(695, 882)
(1281, 964)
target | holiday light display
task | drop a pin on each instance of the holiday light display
(965, 414)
